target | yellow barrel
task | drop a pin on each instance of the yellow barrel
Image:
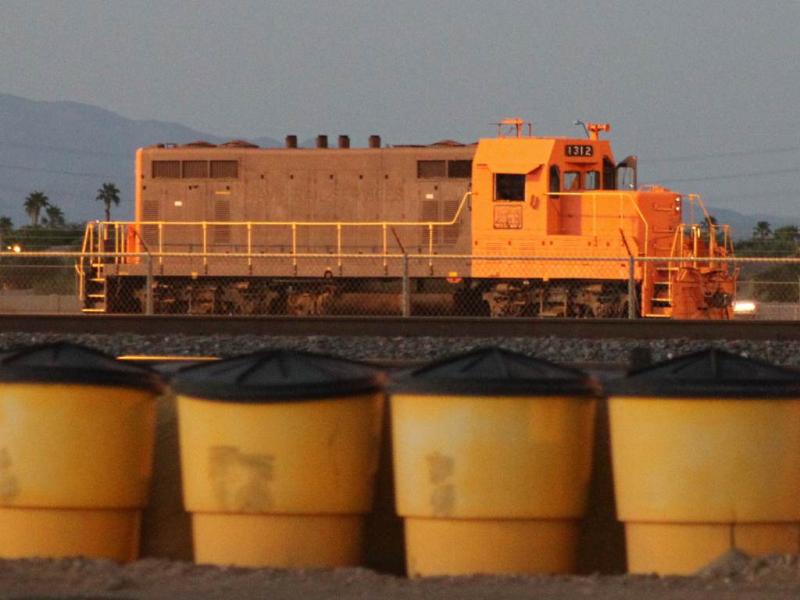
(492, 459)
(76, 451)
(279, 451)
(706, 458)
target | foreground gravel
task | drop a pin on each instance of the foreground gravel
(735, 578)
(612, 351)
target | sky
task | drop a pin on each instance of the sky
(706, 93)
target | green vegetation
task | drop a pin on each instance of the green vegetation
(108, 195)
(35, 203)
(55, 234)
(766, 242)
(771, 283)
(55, 217)
(48, 231)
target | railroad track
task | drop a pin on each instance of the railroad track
(400, 327)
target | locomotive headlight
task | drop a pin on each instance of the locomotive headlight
(744, 307)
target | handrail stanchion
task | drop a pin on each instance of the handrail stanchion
(385, 248)
(339, 248)
(148, 295)
(406, 298)
(250, 248)
(294, 247)
(430, 248)
(631, 287)
(161, 246)
(205, 248)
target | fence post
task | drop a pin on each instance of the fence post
(631, 288)
(148, 294)
(406, 298)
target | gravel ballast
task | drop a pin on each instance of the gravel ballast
(576, 351)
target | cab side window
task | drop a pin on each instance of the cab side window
(555, 180)
(509, 186)
(572, 181)
(609, 174)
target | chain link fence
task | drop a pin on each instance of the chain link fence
(358, 284)
(39, 282)
(368, 284)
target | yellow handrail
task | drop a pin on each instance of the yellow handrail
(451, 221)
(122, 226)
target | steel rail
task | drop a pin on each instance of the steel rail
(383, 326)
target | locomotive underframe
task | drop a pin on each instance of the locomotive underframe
(369, 296)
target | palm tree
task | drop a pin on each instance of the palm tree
(789, 233)
(762, 230)
(6, 225)
(6, 228)
(108, 194)
(55, 216)
(34, 204)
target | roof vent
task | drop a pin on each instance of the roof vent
(239, 144)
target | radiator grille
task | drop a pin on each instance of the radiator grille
(169, 169)
(450, 232)
(224, 169)
(195, 169)
(151, 211)
(221, 234)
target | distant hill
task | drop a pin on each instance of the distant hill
(67, 149)
(742, 225)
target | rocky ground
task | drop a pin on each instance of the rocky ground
(563, 350)
(734, 576)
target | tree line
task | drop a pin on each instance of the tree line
(765, 241)
(48, 221)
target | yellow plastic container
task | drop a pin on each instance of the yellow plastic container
(75, 458)
(492, 483)
(278, 458)
(707, 462)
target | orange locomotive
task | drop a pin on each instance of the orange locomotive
(515, 225)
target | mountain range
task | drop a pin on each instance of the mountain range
(68, 149)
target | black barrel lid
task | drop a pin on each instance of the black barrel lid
(277, 375)
(709, 373)
(495, 372)
(65, 362)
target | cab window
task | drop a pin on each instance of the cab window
(555, 180)
(626, 173)
(572, 181)
(609, 174)
(509, 186)
(591, 180)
